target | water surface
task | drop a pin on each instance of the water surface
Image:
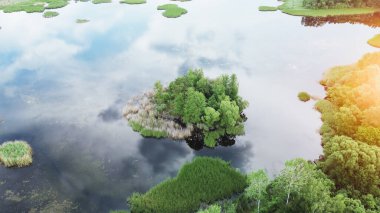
(63, 85)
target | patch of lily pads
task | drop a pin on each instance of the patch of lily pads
(172, 10)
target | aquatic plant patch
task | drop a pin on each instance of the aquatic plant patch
(34, 6)
(16, 154)
(50, 14)
(133, 1)
(101, 1)
(192, 108)
(172, 10)
(375, 41)
(267, 8)
(204, 180)
(82, 21)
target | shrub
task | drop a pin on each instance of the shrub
(304, 96)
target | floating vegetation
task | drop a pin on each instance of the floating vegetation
(304, 96)
(50, 14)
(204, 180)
(267, 8)
(375, 41)
(82, 21)
(34, 6)
(101, 1)
(133, 1)
(172, 10)
(16, 154)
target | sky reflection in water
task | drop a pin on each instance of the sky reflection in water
(63, 85)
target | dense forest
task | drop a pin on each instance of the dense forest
(325, 4)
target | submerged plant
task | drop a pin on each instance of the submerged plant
(15, 154)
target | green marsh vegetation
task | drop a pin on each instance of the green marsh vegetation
(133, 1)
(375, 41)
(191, 107)
(172, 10)
(50, 14)
(304, 96)
(16, 154)
(204, 180)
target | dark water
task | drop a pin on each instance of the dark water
(63, 85)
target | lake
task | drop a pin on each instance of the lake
(63, 86)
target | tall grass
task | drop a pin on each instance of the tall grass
(204, 180)
(16, 154)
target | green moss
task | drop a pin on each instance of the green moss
(304, 96)
(204, 180)
(50, 14)
(172, 10)
(296, 8)
(15, 153)
(375, 41)
(133, 1)
(82, 21)
(34, 6)
(267, 8)
(101, 1)
(119, 211)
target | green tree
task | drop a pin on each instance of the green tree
(353, 165)
(229, 113)
(195, 103)
(258, 181)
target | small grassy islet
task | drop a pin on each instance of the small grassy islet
(172, 10)
(16, 154)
